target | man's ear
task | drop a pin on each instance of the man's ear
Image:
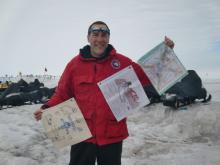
(88, 37)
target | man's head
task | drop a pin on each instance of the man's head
(98, 37)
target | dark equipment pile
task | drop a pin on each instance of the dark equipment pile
(22, 93)
(187, 91)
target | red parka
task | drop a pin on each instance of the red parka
(80, 79)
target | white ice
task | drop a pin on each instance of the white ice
(158, 135)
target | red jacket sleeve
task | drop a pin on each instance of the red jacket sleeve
(141, 74)
(64, 89)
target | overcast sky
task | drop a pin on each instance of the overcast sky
(48, 33)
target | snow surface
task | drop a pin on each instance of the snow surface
(158, 135)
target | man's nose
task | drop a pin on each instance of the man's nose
(100, 37)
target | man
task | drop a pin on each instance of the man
(95, 62)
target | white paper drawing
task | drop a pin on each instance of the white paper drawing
(123, 92)
(64, 124)
(162, 67)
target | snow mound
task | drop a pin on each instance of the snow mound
(162, 135)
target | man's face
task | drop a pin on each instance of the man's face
(98, 39)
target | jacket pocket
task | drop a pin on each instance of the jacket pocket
(82, 84)
(116, 129)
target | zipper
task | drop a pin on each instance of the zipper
(95, 108)
(94, 67)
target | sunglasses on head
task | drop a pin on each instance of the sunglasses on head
(99, 30)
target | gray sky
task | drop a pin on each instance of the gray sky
(48, 33)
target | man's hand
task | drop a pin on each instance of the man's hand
(38, 114)
(169, 42)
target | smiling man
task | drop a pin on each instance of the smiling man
(94, 63)
(98, 37)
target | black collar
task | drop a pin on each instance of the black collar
(85, 52)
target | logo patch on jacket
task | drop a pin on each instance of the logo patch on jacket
(115, 64)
